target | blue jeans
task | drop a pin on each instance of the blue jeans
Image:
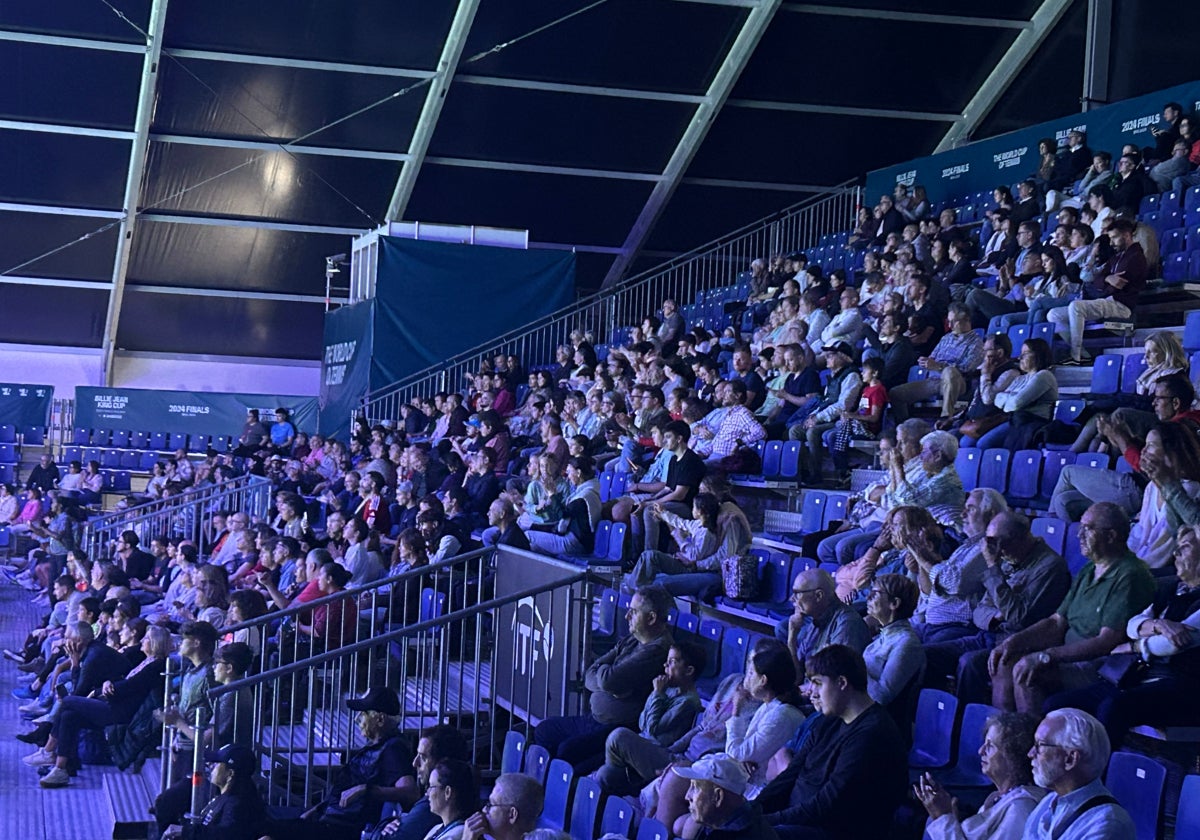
(847, 546)
(577, 740)
(1038, 308)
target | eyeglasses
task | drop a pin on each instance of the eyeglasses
(1042, 746)
(798, 593)
(500, 805)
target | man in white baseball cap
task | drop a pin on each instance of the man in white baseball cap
(717, 802)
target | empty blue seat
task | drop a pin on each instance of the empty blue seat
(812, 512)
(558, 794)
(1169, 218)
(1024, 475)
(1053, 531)
(139, 440)
(620, 484)
(585, 805)
(617, 818)
(1187, 819)
(606, 479)
(1106, 373)
(789, 462)
(1192, 234)
(1072, 553)
(1018, 334)
(8, 433)
(177, 440)
(119, 439)
(1191, 218)
(1043, 330)
(711, 634)
(1173, 241)
(649, 829)
(81, 437)
(772, 459)
(8, 474)
(936, 711)
(101, 437)
(147, 460)
(835, 508)
(196, 443)
(1191, 331)
(110, 459)
(1191, 198)
(1092, 460)
(1067, 411)
(605, 622)
(158, 441)
(688, 623)
(1137, 781)
(993, 469)
(1175, 268)
(967, 462)
(8, 454)
(72, 453)
(513, 757)
(537, 762)
(33, 436)
(600, 540)
(616, 546)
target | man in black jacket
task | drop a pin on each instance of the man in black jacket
(717, 802)
(851, 775)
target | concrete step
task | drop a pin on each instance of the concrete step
(129, 803)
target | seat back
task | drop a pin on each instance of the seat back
(1053, 531)
(650, 829)
(1137, 782)
(1024, 473)
(1072, 553)
(617, 818)
(688, 623)
(601, 538)
(620, 484)
(1067, 411)
(711, 634)
(585, 805)
(789, 461)
(967, 462)
(1092, 460)
(970, 739)
(812, 512)
(537, 762)
(936, 711)
(558, 794)
(1106, 373)
(772, 459)
(1052, 465)
(1187, 819)
(993, 469)
(8, 433)
(606, 481)
(835, 508)
(1135, 365)
(606, 613)
(735, 646)
(776, 584)
(177, 440)
(513, 757)
(616, 541)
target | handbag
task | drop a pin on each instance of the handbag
(977, 427)
(1122, 670)
(739, 577)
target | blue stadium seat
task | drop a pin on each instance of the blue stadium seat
(1137, 782)
(772, 459)
(72, 453)
(1018, 334)
(33, 436)
(558, 795)
(8, 473)
(1191, 218)
(1092, 460)
(1150, 219)
(585, 805)
(158, 441)
(711, 633)
(147, 460)
(606, 478)
(616, 547)
(966, 771)
(8, 433)
(916, 373)
(196, 443)
(1025, 474)
(936, 711)
(1175, 268)
(1149, 204)
(110, 459)
(177, 440)
(620, 484)
(650, 829)
(537, 762)
(8, 454)
(1173, 241)
(1169, 218)
(968, 462)
(1053, 461)
(1192, 241)
(1191, 198)
(139, 440)
(1187, 819)
(835, 508)
(1106, 373)
(1053, 531)
(774, 583)
(1194, 265)
(119, 439)
(101, 437)
(600, 541)
(1135, 366)
(81, 437)
(617, 818)
(688, 623)
(1072, 553)
(1067, 411)
(1191, 331)
(789, 462)
(1043, 330)
(812, 512)
(512, 759)
(993, 469)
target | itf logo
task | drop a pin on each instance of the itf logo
(535, 638)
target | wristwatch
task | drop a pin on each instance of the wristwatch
(1043, 658)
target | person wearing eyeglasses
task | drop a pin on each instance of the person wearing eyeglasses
(453, 795)
(1063, 652)
(819, 619)
(511, 810)
(1070, 753)
(413, 815)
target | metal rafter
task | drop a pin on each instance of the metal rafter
(435, 98)
(133, 180)
(1005, 72)
(842, 110)
(748, 36)
(876, 14)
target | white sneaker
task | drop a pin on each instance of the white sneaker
(56, 778)
(41, 758)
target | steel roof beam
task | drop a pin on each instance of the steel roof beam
(736, 58)
(911, 17)
(55, 282)
(58, 128)
(842, 110)
(133, 180)
(431, 111)
(585, 90)
(302, 63)
(1004, 73)
(50, 210)
(757, 185)
(64, 41)
(276, 146)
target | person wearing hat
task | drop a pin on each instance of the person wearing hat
(366, 781)
(717, 801)
(420, 816)
(842, 394)
(237, 812)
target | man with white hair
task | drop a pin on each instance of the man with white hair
(936, 483)
(951, 588)
(1070, 753)
(511, 810)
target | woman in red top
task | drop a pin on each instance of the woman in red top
(864, 424)
(334, 623)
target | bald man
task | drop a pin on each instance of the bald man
(819, 619)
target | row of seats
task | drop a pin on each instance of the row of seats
(27, 435)
(159, 441)
(113, 459)
(574, 804)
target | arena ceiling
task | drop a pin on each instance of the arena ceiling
(254, 138)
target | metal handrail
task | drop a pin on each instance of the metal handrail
(704, 267)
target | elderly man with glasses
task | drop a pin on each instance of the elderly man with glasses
(957, 355)
(819, 619)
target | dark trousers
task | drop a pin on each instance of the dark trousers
(172, 805)
(76, 714)
(1166, 702)
(942, 658)
(577, 739)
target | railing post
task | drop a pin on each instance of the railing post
(197, 772)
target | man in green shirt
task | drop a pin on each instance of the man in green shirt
(1062, 652)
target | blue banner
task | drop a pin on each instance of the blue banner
(345, 366)
(1010, 158)
(175, 412)
(434, 300)
(25, 405)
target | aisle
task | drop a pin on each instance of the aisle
(78, 812)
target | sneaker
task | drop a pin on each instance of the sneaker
(24, 693)
(56, 778)
(33, 708)
(41, 758)
(1071, 361)
(32, 667)
(47, 718)
(13, 656)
